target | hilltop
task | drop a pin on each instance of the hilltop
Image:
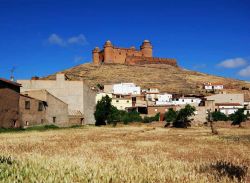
(164, 77)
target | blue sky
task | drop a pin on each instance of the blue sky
(45, 36)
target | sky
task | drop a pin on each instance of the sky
(41, 37)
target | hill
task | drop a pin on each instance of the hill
(164, 77)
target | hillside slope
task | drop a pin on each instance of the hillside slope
(161, 76)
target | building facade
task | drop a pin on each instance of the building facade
(76, 94)
(56, 111)
(9, 104)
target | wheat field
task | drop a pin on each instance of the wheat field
(125, 154)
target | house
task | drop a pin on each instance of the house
(126, 88)
(76, 94)
(56, 111)
(164, 99)
(151, 94)
(186, 100)
(121, 102)
(9, 104)
(227, 98)
(228, 108)
(213, 86)
(32, 111)
(154, 109)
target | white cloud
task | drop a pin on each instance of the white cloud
(56, 40)
(233, 63)
(245, 72)
(80, 40)
(78, 59)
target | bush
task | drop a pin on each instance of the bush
(147, 119)
(171, 115)
(127, 117)
(219, 116)
(182, 119)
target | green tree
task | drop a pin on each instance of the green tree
(238, 117)
(182, 119)
(219, 116)
(103, 110)
(170, 115)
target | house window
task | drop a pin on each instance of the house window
(27, 123)
(27, 104)
(40, 106)
(117, 101)
(42, 121)
(192, 100)
(127, 101)
(54, 119)
(182, 100)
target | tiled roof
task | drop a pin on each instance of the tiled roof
(10, 82)
(227, 104)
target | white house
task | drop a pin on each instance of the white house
(151, 94)
(164, 99)
(228, 108)
(126, 89)
(213, 86)
(186, 100)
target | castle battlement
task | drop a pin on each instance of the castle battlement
(130, 56)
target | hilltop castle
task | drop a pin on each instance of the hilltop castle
(130, 56)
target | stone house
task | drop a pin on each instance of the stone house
(9, 104)
(76, 94)
(32, 111)
(54, 110)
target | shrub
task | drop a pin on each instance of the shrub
(171, 115)
(182, 119)
(147, 119)
(127, 117)
(6, 160)
(219, 116)
(238, 117)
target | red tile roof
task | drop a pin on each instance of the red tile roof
(10, 82)
(227, 104)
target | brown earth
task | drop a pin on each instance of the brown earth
(164, 77)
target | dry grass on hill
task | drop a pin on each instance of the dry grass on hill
(164, 77)
(123, 154)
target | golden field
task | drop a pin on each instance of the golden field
(123, 154)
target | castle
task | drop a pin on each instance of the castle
(129, 56)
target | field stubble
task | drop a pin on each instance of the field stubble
(123, 154)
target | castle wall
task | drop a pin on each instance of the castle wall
(130, 56)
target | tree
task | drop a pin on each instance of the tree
(238, 117)
(211, 121)
(103, 110)
(182, 120)
(219, 116)
(170, 115)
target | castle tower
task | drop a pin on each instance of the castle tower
(95, 56)
(108, 52)
(146, 49)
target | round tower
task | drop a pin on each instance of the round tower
(146, 49)
(95, 56)
(108, 52)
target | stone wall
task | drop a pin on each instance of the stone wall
(135, 60)
(31, 116)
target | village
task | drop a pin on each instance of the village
(29, 104)
(65, 102)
